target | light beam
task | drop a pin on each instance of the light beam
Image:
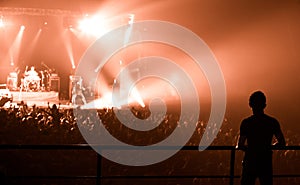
(14, 50)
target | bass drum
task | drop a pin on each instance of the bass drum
(33, 86)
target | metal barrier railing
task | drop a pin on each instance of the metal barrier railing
(99, 176)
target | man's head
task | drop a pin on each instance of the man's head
(257, 101)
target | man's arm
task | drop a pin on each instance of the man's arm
(279, 137)
(242, 138)
(241, 143)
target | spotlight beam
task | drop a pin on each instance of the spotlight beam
(69, 49)
(14, 50)
(34, 41)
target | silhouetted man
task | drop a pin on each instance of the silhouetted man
(258, 130)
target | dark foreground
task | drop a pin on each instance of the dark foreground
(27, 125)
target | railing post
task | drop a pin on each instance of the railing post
(99, 166)
(232, 161)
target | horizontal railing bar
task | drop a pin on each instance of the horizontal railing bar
(191, 176)
(186, 177)
(46, 147)
(119, 177)
(50, 177)
(111, 147)
(141, 177)
(286, 175)
(168, 177)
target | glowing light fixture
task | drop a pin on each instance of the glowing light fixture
(94, 26)
(131, 18)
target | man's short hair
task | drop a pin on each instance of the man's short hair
(257, 100)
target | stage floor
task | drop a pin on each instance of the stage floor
(37, 98)
(50, 96)
(41, 99)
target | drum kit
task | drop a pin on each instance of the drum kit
(32, 80)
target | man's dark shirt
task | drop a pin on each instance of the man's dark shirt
(259, 131)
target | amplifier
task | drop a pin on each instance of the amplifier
(54, 83)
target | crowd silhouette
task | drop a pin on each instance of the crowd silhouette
(25, 124)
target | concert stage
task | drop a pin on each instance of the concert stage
(50, 96)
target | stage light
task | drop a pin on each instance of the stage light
(131, 18)
(94, 26)
(22, 27)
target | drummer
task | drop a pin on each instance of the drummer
(31, 72)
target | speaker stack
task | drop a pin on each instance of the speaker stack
(54, 82)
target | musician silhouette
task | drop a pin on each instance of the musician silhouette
(258, 130)
(31, 80)
(78, 97)
(31, 72)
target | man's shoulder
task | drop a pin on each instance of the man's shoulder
(270, 117)
(271, 121)
(248, 119)
(264, 116)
